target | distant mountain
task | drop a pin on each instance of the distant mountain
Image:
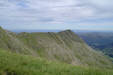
(64, 46)
(102, 41)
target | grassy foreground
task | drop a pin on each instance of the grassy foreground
(15, 64)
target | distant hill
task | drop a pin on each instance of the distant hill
(102, 41)
(64, 46)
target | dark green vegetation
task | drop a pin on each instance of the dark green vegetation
(14, 64)
(102, 41)
(32, 53)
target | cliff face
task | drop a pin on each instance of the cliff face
(64, 46)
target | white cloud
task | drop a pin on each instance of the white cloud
(53, 11)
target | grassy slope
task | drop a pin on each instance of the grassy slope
(9, 41)
(64, 47)
(15, 64)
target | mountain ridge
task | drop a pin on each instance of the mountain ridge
(64, 46)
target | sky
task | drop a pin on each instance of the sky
(56, 14)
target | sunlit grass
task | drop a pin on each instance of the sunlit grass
(14, 64)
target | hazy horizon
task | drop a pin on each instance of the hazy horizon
(57, 30)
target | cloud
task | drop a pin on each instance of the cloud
(29, 12)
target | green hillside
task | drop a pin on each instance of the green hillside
(64, 47)
(9, 41)
(16, 64)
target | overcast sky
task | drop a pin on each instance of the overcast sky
(57, 14)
